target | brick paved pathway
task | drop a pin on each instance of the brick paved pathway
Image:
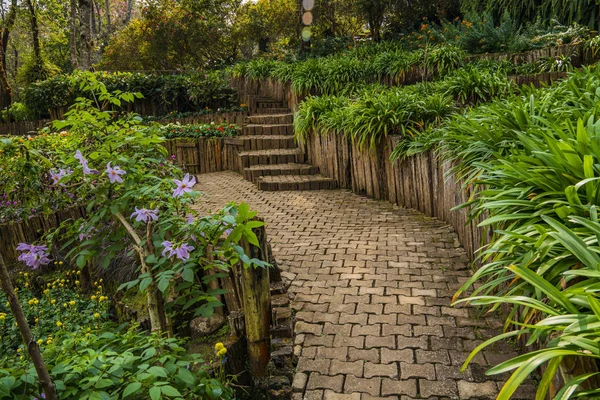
(372, 285)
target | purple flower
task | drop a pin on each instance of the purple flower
(84, 164)
(33, 256)
(190, 219)
(184, 186)
(168, 248)
(145, 215)
(85, 234)
(57, 176)
(114, 173)
(228, 231)
(182, 252)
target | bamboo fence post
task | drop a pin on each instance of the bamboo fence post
(257, 307)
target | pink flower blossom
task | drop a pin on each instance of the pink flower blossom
(33, 256)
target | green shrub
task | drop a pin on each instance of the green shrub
(113, 362)
(173, 131)
(185, 92)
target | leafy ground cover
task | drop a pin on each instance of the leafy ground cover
(173, 131)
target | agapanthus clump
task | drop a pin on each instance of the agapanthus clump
(184, 186)
(145, 215)
(33, 256)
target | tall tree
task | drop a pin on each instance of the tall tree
(85, 32)
(374, 12)
(73, 18)
(8, 20)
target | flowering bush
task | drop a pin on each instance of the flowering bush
(191, 114)
(173, 131)
(51, 306)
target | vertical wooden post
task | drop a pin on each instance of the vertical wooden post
(257, 307)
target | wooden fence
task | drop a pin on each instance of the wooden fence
(204, 155)
(31, 230)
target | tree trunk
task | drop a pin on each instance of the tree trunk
(108, 22)
(35, 32)
(28, 339)
(85, 17)
(5, 90)
(73, 35)
(128, 13)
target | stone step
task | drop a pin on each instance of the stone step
(257, 130)
(270, 104)
(272, 119)
(295, 182)
(270, 157)
(253, 173)
(265, 142)
(274, 110)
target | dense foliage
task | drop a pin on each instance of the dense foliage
(373, 112)
(533, 160)
(172, 92)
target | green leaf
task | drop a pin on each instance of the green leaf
(103, 383)
(132, 388)
(158, 371)
(186, 376)
(155, 393)
(169, 391)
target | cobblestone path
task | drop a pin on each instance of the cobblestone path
(372, 285)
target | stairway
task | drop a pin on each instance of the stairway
(269, 155)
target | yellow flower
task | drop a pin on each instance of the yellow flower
(72, 302)
(59, 324)
(19, 350)
(37, 320)
(40, 341)
(222, 352)
(93, 298)
(53, 301)
(48, 341)
(102, 298)
(96, 315)
(60, 263)
(219, 346)
(77, 282)
(2, 316)
(46, 291)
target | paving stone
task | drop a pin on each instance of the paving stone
(331, 395)
(371, 355)
(393, 386)
(318, 381)
(299, 382)
(429, 388)
(410, 370)
(371, 386)
(308, 364)
(380, 341)
(389, 370)
(391, 355)
(485, 390)
(347, 368)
